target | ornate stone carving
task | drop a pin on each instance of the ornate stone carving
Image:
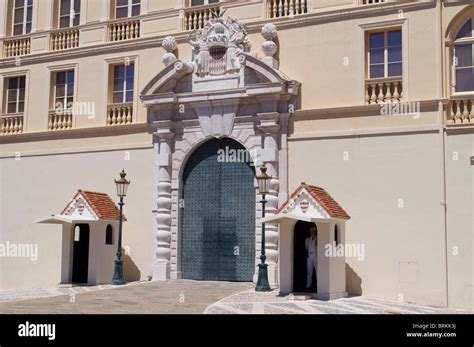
(269, 31)
(269, 47)
(161, 266)
(170, 45)
(217, 46)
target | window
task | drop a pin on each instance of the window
(69, 13)
(64, 90)
(203, 2)
(22, 16)
(77, 233)
(109, 234)
(337, 236)
(385, 54)
(15, 95)
(127, 8)
(464, 58)
(123, 83)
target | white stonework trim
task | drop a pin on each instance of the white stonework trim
(143, 7)
(103, 149)
(83, 13)
(105, 9)
(367, 132)
(48, 19)
(34, 20)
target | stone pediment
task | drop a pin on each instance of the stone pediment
(311, 202)
(221, 63)
(256, 78)
(92, 205)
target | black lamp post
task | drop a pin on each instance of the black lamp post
(263, 181)
(122, 186)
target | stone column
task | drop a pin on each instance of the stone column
(270, 132)
(163, 149)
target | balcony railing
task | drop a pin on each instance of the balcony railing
(379, 91)
(60, 120)
(195, 18)
(120, 114)
(12, 124)
(126, 30)
(65, 39)
(286, 8)
(461, 111)
(16, 47)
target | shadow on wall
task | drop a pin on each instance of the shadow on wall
(353, 281)
(131, 272)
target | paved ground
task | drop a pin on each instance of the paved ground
(145, 297)
(193, 297)
(251, 302)
(37, 293)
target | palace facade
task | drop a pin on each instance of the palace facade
(370, 99)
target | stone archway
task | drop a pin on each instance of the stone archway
(218, 218)
(247, 99)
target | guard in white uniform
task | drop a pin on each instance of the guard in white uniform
(311, 244)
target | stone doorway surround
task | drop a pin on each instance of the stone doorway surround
(189, 102)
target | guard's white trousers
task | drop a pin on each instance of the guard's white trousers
(311, 262)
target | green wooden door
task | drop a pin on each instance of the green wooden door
(218, 219)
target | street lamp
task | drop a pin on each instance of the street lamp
(122, 186)
(263, 181)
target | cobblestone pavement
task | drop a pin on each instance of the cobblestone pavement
(37, 293)
(193, 297)
(251, 302)
(141, 297)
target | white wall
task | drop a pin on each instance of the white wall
(41, 185)
(380, 171)
(460, 218)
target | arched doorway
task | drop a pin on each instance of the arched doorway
(218, 219)
(80, 262)
(301, 232)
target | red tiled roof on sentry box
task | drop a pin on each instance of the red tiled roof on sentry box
(323, 198)
(101, 203)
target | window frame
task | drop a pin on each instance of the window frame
(108, 228)
(71, 18)
(454, 59)
(399, 23)
(24, 23)
(17, 98)
(206, 3)
(124, 89)
(386, 63)
(129, 7)
(66, 88)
